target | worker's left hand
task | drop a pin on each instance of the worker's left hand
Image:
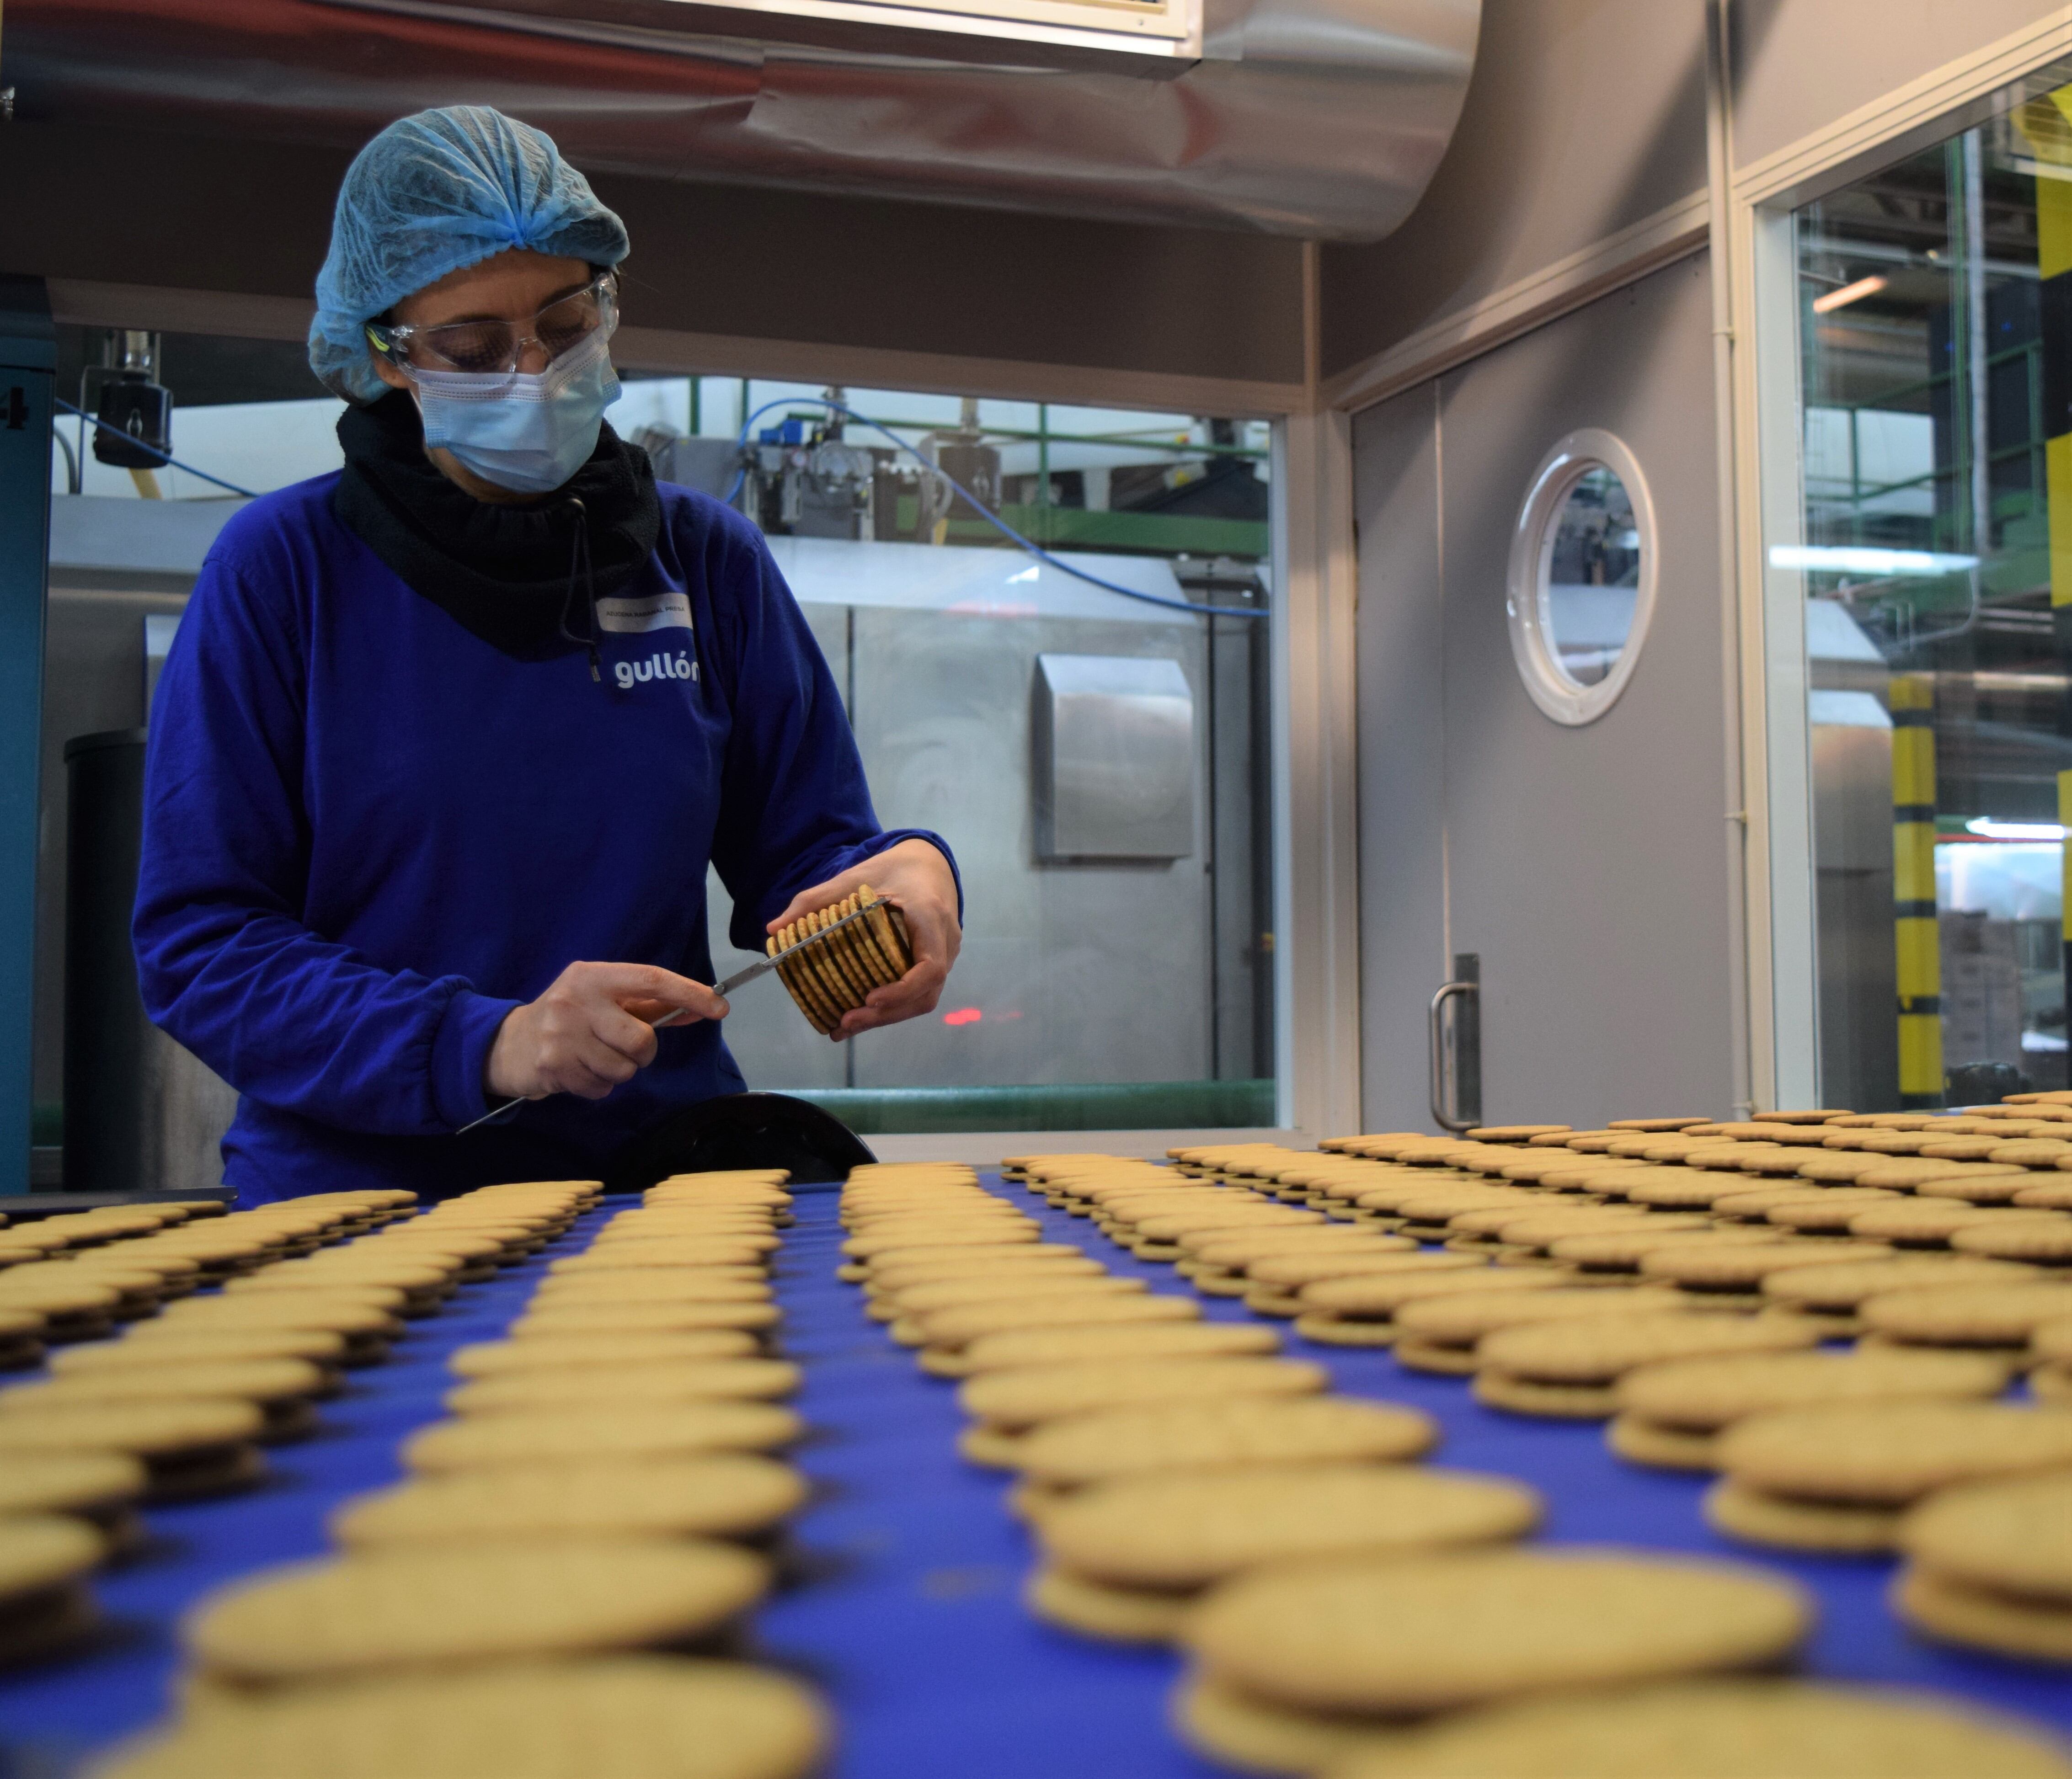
(916, 879)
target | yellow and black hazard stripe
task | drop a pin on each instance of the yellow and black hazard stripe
(1914, 926)
(2047, 123)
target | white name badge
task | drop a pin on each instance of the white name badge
(656, 611)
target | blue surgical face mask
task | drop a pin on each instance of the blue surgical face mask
(527, 431)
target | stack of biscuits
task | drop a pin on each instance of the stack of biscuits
(834, 977)
(569, 1561)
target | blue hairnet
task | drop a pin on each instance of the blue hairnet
(431, 193)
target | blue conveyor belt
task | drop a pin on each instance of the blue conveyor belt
(907, 1614)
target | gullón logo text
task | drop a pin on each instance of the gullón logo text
(629, 674)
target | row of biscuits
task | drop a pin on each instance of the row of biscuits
(1933, 1324)
(1099, 1394)
(602, 1492)
(232, 1330)
(1840, 1444)
(76, 1277)
(1261, 1642)
(257, 1315)
(1175, 1502)
(1680, 1225)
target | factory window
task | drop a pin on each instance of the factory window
(1099, 761)
(1582, 577)
(1088, 725)
(1936, 549)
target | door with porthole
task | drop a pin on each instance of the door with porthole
(1543, 727)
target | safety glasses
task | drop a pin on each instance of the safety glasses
(493, 345)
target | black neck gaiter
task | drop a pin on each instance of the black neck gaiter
(513, 576)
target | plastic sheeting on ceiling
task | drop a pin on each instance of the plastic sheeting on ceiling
(1320, 118)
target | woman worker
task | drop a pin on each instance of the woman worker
(448, 739)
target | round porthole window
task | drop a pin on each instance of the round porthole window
(1582, 577)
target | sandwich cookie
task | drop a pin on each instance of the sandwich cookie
(282, 1389)
(625, 1430)
(1722, 1729)
(1020, 1349)
(1839, 1477)
(1128, 1561)
(1671, 1412)
(729, 1495)
(691, 1380)
(1991, 1567)
(1242, 1433)
(1442, 1333)
(44, 1602)
(1567, 1370)
(397, 1610)
(559, 1352)
(599, 1717)
(1008, 1404)
(190, 1447)
(1303, 1664)
(1361, 1311)
(100, 1488)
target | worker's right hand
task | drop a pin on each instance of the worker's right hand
(591, 1031)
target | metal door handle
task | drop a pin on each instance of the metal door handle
(1440, 1115)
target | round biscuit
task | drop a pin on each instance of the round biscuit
(2013, 1535)
(1888, 1454)
(1406, 1635)
(560, 1435)
(722, 1495)
(1723, 1729)
(1240, 1431)
(397, 1610)
(1188, 1531)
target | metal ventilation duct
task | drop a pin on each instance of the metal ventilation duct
(1319, 118)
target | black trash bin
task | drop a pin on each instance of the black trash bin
(141, 1113)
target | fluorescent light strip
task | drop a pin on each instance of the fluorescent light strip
(1849, 294)
(1861, 559)
(1989, 829)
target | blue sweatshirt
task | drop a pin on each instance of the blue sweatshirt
(369, 835)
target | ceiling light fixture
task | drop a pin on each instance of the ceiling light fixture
(1863, 559)
(1987, 828)
(1849, 294)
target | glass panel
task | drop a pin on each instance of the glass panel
(1117, 969)
(1593, 577)
(1933, 322)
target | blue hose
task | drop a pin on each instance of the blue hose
(993, 519)
(171, 462)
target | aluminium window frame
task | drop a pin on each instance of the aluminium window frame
(1756, 321)
(1315, 840)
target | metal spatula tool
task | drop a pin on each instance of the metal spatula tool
(762, 967)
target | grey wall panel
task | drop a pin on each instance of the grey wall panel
(1582, 117)
(147, 209)
(1589, 866)
(1077, 973)
(1081, 972)
(1402, 753)
(1800, 64)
